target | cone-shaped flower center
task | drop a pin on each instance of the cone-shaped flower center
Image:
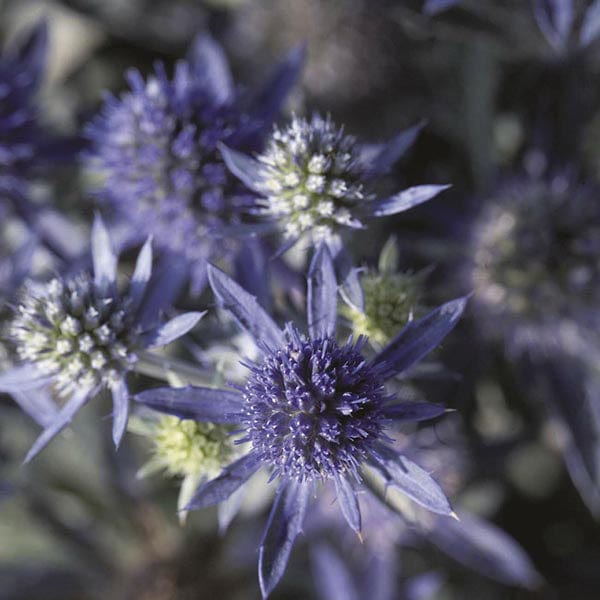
(71, 332)
(313, 408)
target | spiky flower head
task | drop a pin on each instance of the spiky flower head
(313, 409)
(77, 335)
(311, 177)
(315, 180)
(190, 448)
(74, 334)
(155, 151)
(534, 268)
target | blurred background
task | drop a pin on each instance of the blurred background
(509, 92)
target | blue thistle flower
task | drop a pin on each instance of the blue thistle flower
(315, 180)
(79, 335)
(534, 272)
(312, 410)
(155, 149)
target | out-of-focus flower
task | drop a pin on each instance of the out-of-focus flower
(392, 299)
(22, 139)
(316, 181)
(78, 335)
(534, 269)
(313, 410)
(155, 150)
(189, 450)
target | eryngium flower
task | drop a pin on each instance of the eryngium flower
(155, 149)
(316, 180)
(21, 137)
(312, 410)
(80, 335)
(534, 269)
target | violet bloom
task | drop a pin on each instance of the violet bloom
(312, 410)
(314, 180)
(155, 148)
(76, 336)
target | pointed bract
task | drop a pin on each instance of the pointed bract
(590, 28)
(285, 523)
(419, 338)
(404, 200)
(245, 309)
(382, 157)
(413, 411)
(267, 100)
(346, 496)
(210, 64)
(246, 169)
(120, 396)
(141, 274)
(173, 329)
(222, 487)
(411, 480)
(62, 419)
(197, 403)
(103, 256)
(321, 294)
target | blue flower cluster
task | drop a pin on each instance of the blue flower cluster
(211, 274)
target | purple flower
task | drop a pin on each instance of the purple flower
(155, 148)
(312, 410)
(78, 335)
(315, 180)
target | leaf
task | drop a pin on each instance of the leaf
(245, 309)
(285, 523)
(321, 295)
(197, 403)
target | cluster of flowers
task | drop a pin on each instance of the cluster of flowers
(192, 169)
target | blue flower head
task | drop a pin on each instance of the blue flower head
(21, 137)
(534, 267)
(312, 410)
(79, 335)
(155, 149)
(314, 180)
